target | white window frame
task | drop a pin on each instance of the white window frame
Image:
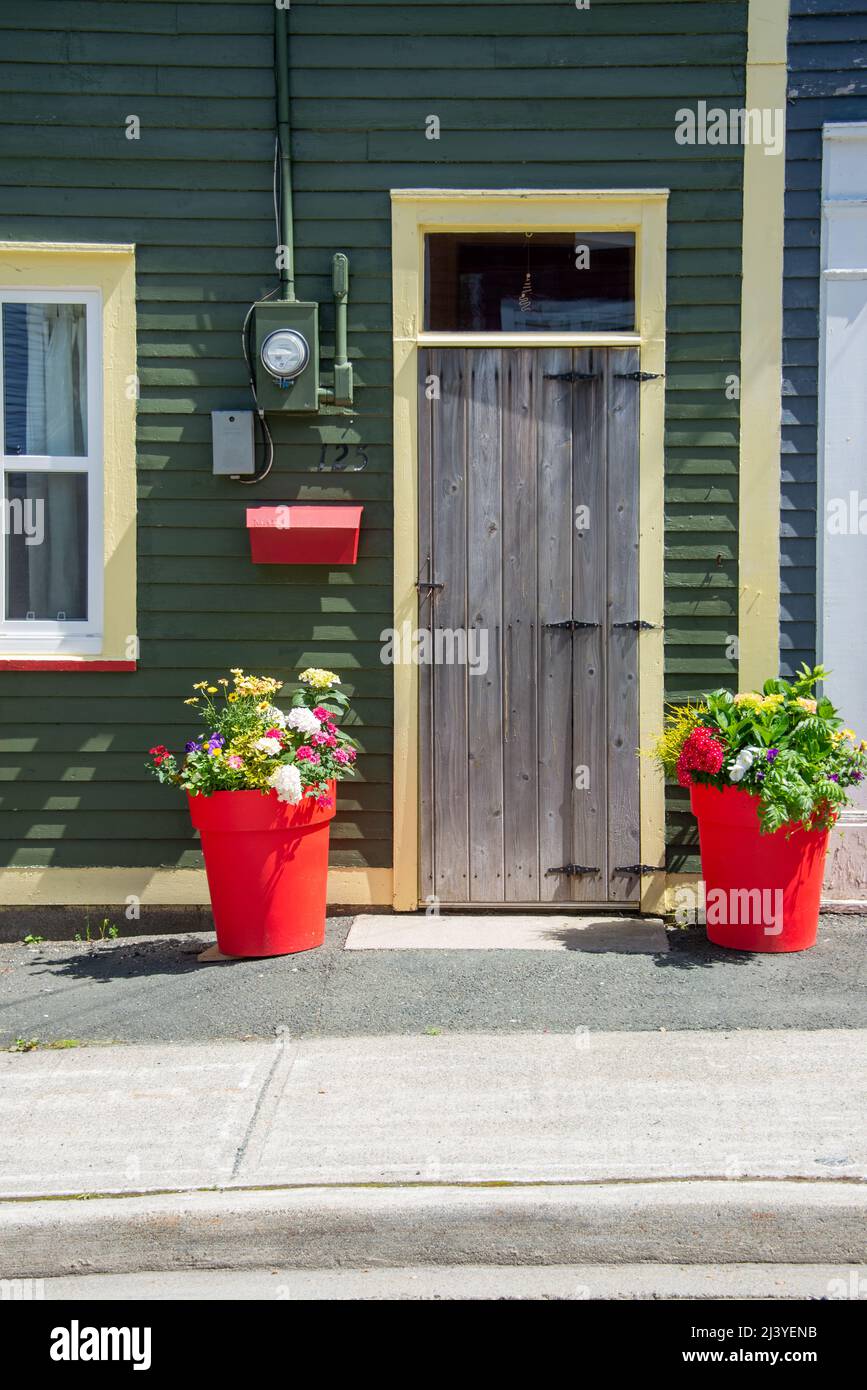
(38, 637)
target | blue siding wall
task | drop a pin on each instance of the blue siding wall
(827, 82)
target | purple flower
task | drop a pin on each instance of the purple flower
(193, 746)
(857, 776)
(834, 777)
(216, 741)
(771, 754)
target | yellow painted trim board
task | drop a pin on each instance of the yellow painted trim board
(415, 211)
(55, 887)
(761, 355)
(110, 269)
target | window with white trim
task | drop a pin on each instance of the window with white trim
(51, 471)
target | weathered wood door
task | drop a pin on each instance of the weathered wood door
(528, 488)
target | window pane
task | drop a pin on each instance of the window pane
(547, 282)
(45, 379)
(45, 517)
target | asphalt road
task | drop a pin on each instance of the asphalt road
(151, 989)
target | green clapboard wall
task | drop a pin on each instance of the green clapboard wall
(532, 94)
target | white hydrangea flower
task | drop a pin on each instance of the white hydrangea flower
(304, 720)
(275, 718)
(267, 745)
(286, 781)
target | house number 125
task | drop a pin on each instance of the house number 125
(339, 464)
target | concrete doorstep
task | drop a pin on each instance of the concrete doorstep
(601, 1148)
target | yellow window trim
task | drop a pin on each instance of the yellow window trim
(414, 212)
(109, 268)
(761, 356)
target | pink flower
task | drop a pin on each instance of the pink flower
(234, 761)
(274, 733)
(322, 713)
(330, 727)
(331, 741)
(323, 801)
(342, 755)
(319, 738)
(303, 754)
(351, 754)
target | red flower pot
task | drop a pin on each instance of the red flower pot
(762, 891)
(267, 867)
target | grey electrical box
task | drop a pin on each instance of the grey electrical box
(234, 438)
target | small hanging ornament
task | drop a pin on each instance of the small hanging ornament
(525, 298)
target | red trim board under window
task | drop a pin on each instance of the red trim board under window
(35, 664)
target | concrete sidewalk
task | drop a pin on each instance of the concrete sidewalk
(688, 1146)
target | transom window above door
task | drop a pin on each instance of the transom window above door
(530, 282)
(50, 470)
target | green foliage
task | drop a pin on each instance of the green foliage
(106, 931)
(784, 745)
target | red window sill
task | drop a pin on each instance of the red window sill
(47, 664)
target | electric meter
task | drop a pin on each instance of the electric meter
(285, 354)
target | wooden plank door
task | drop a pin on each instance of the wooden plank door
(528, 530)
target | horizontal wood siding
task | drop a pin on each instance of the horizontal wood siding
(827, 82)
(536, 95)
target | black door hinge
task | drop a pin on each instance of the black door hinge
(572, 625)
(572, 376)
(638, 625)
(427, 586)
(572, 870)
(639, 376)
(636, 870)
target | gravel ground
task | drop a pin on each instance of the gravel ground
(151, 989)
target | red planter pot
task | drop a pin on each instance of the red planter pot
(762, 891)
(267, 867)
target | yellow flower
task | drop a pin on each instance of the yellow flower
(232, 696)
(212, 690)
(200, 685)
(194, 700)
(848, 733)
(749, 699)
(808, 705)
(771, 701)
(318, 679)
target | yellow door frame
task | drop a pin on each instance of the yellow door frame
(415, 212)
(761, 355)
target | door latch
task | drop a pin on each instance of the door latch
(572, 376)
(639, 376)
(571, 625)
(427, 586)
(572, 870)
(636, 870)
(638, 625)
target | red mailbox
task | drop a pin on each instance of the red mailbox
(300, 535)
